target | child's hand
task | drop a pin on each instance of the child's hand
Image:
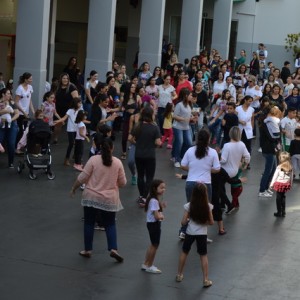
(179, 176)
(243, 179)
(87, 139)
(161, 217)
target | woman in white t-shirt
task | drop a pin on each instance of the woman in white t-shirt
(200, 161)
(245, 114)
(23, 102)
(71, 126)
(197, 215)
(166, 94)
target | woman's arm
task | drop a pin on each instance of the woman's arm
(31, 107)
(75, 94)
(88, 95)
(17, 103)
(16, 115)
(185, 218)
(211, 219)
(158, 142)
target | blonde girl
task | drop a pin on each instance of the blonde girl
(282, 182)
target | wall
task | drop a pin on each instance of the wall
(263, 22)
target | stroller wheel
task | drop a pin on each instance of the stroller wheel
(32, 176)
(19, 168)
(50, 175)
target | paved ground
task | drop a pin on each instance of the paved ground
(41, 234)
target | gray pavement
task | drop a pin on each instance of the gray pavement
(41, 233)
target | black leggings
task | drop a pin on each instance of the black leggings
(246, 141)
(71, 139)
(78, 151)
(145, 170)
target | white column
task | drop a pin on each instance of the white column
(222, 26)
(32, 44)
(151, 32)
(100, 39)
(191, 19)
(52, 40)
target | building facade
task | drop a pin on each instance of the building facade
(48, 32)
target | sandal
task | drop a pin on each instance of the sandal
(207, 283)
(222, 232)
(179, 277)
(123, 156)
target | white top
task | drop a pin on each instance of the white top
(232, 90)
(88, 84)
(245, 116)
(289, 125)
(254, 92)
(194, 228)
(218, 87)
(200, 169)
(281, 176)
(72, 114)
(232, 154)
(184, 112)
(25, 97)
(287, 89)
(78, 126)
(165, 95)
(153, 206)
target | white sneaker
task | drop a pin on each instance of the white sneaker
(270, 191)
(264, 194)
(209, 241)
(259, 149)
(144, 267)
(181, 235)
(177, 165)
(153, 270)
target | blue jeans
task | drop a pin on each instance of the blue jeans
(181, 137)
(131, 159)
(9, 135)
(270, 166)
(215, 130)
(108, 220)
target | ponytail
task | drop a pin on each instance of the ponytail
(106, 151)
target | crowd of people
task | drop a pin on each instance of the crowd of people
(207, 109)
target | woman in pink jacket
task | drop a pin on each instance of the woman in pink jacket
(103, 175)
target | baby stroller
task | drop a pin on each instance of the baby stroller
(37, 155)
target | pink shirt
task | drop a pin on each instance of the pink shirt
(102, 184)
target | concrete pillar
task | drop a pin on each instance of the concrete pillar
(51, 46)
(151, 32)
(100, 39)
(32, 44)
(222, 26)
(191, 19)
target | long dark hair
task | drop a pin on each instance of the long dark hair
(75, 102)
(183, 96)
(199, 208)
(168, 110)
(23, 77)
(106, 146)
(80, 116)
(153, 193)
(146, 116)
(202, 144)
